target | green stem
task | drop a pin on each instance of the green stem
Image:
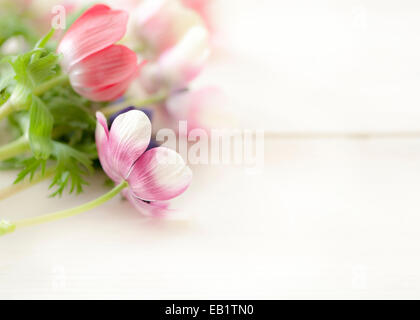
(8, 227)
(50, 84)
(6, 109)
(15, 188)
(14, 148)
(113, 108)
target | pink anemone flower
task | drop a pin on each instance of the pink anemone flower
(160, 24)
(178, 66)
(154, 176)
(98, 69)
(204, 108)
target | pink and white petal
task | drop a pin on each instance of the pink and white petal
(185, 61)
(151, 78)
(107, 93)
(152, 209)
(159, 174)
(153, 19)
(102, 132)
(162, 23)
(98, 28)
(102, 144)
(204, 108)
(129, 137)
(204, 9)
(103, 68)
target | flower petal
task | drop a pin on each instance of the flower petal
(102, 144)
(107, 93)
(148, 112)
(203, 108)
(154, 208)
(185, 61)
(162, 23)
(159, 174)
(179, 65)
(129, 137)
(98, 28)
(204, 9)
(106, 67)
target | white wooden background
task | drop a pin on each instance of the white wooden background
(327, 218)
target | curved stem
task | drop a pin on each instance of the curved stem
(14, 148)
(8, 227)
(15, 188)
(6, 109)
(113, 108)
(50, 84)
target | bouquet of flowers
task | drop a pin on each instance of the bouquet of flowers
(83, 98)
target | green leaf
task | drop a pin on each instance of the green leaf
(4, 96)
(20, 65)
(69, 109)
(21, 97)
(7, 75)
(44, 40)
(74, 123)
(11, 164)
(31, 70)
(40, 129)
(30, 167)
(72, 166)
(42, 68)
(7, 81)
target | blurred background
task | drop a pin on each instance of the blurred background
(322, 65)
(326, 218)
(305, 65)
